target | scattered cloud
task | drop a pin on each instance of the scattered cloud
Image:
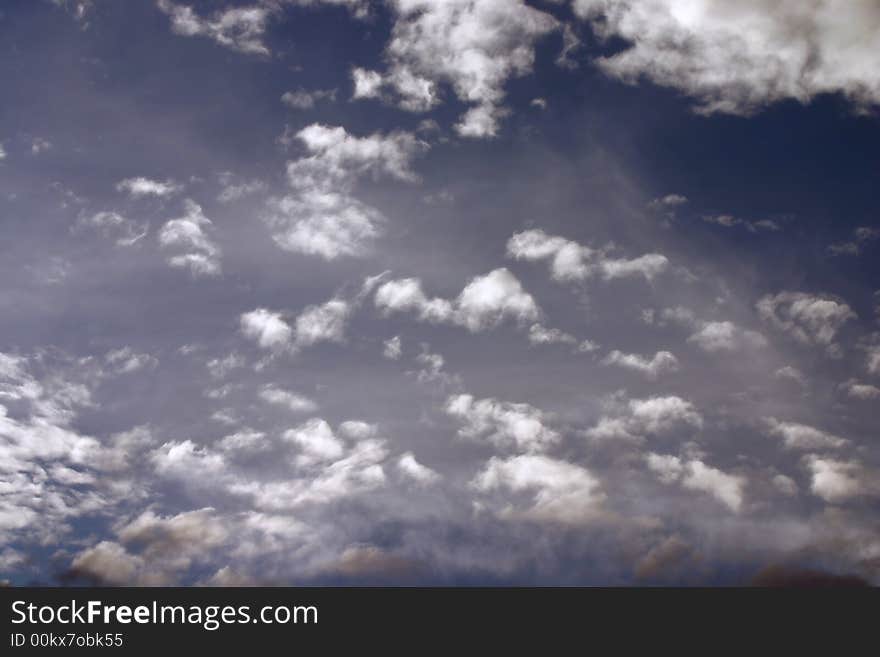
(570, 261)
(189, 245)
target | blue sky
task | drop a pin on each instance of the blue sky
(337, 291)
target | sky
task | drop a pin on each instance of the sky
(446, 292)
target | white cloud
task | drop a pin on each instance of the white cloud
(668, 202)
(862, 391)
(392, 349)
(792, 374)
(640, 417)
(322, 217)
(324, 322)
(809, 319)
(725, 336)
(220, 367)
(188, 243)
(504, 424)
(409, 466)
(367, 84)
(485, 301)
(114, 225)
(304, 99)
(126, 360)
(316, 441)
(560, 491)
(739, 58)
(838, 481)
(696, 475)
(661, 363)
(475, 46)
(294, 402)
(237, 28)
(235, 191)
(267, 328)
(801, 436)
(140, 186)
(570, 261)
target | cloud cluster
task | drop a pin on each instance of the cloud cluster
(570, 261)
(738, 58)
(504, 424)
(474, 46)
(484, 302)
(809, 319)
(322, 217)
(637, 419)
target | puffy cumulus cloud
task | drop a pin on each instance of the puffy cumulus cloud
(638, 418)
(837, 481)
(411, 468)
(696, 475)
(392, 349)
(474, 46)
(238, 28)
(303, 99)
(554, 490)
(189, 245)
(324, 322)
(484, 302)
(322, 217)
(660, 363)
(487, 300)
(113, 225)
(739, 58)
(725, 336)
(571, 261)
(864, 391)
(802, 436)
(316, 442)
(267, 328)
(290, 400)
(504, 424)
(139, 187)
(809, 319)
